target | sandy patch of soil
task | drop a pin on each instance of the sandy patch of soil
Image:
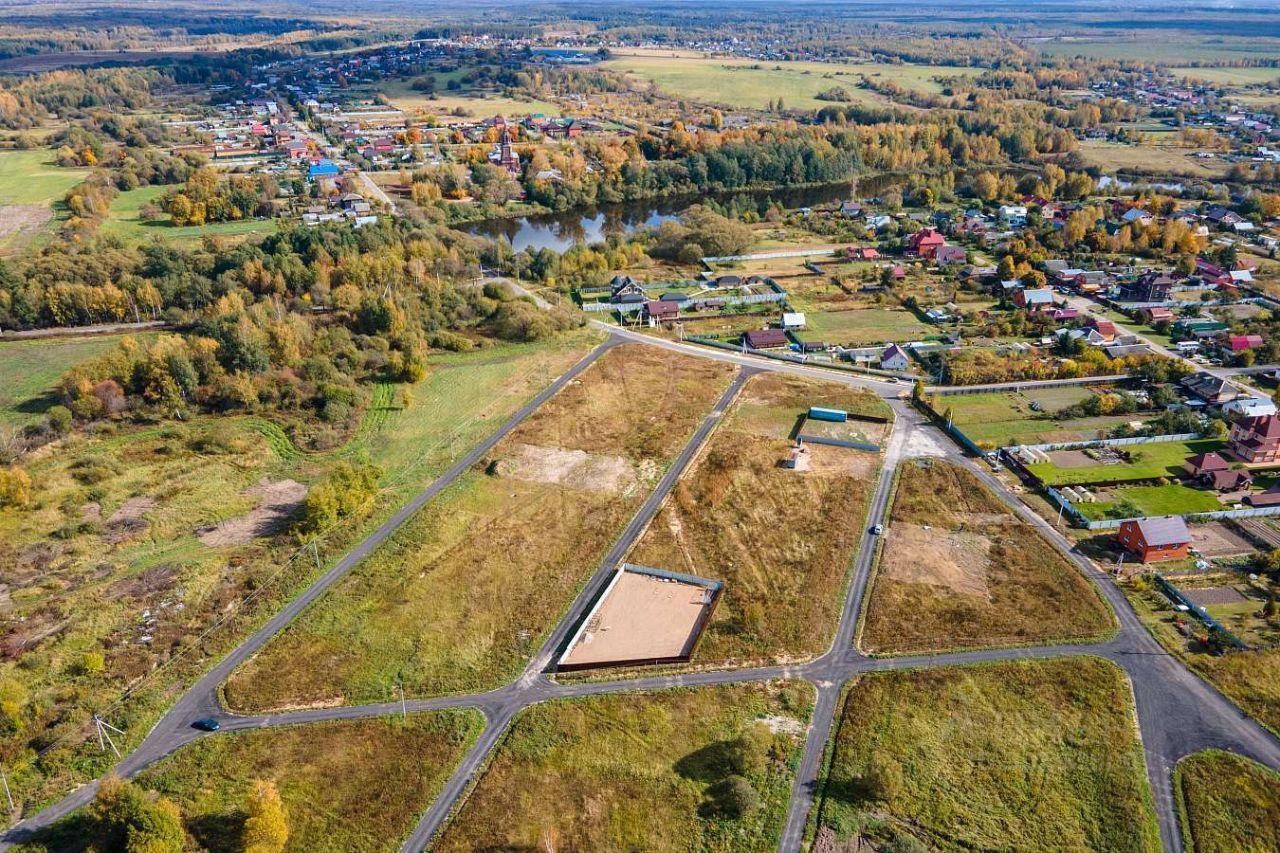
(777, 723)
(91, 512)
(574, 468)
(1218, 540)
(20, 222)
(824, 459)
(127, 521)
(956, 561)
(277, 500)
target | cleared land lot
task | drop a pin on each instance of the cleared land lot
(29, 185)
(125, 506)
(999, 419)
(639, 772)
(461, 596)
(1151, 159)
(958, 569)
(1229, 803)
(862, 326)
(1147, 462)
(346, 786)
(752, 84)
(1028, 756)
(780, 539)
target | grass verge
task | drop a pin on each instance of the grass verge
(1229, 804)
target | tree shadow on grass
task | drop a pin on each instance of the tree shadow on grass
(711, 763)
(219, 832)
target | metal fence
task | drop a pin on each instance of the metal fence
(1176, 594)
(765, 256)
(1113, 442)
(995, 388)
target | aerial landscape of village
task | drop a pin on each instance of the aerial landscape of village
(844, 426)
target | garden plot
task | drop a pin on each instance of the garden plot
(706, 769)
(462, 595)
(1219, 539)
(1037, 755)
(959, 569)
(781, 540)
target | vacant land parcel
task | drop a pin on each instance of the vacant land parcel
(29, 370)
(1229, 803)
(355, 785)
(660, 771)
(1027, 756)
(29, 186)
(999, 419)
(959, 569)
(459, 598)
(780, 539)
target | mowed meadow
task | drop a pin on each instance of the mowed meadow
(461, 596)
(782, 540)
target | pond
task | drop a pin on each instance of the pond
(561, 231)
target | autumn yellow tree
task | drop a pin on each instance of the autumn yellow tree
(266, 829)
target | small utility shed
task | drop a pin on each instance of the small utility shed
(818, 413)
(1152, 539)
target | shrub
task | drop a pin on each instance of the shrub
(733, 797)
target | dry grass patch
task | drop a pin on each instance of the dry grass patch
(356, 785)
(639, 772)
(1229, 804)
(463, 594)
(781, 540)
(959, 569)
(1036, 755)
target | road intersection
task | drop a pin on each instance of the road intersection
(1177, 712)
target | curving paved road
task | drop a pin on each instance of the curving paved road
(1177, 712)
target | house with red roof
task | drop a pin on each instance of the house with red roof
(924, 243)
(1256, 439)
(1151, 539)
(1105, 328)
(1240, 343)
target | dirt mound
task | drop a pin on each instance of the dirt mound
(574, 468)
(277, 501)
(956, 561)
(127, 521)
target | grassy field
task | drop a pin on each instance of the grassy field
(114, 536)
(1149, 462)
(959, 570)
(862, 326)
(638, 772)
(1001, 419)
(1229, 803)
(30, 183)
(1151, 159)
(781, 540)
(478, 104)
(1171, 499)
(1014, 756)
(461, 596)
(1168, 47)
(346, 786)
(752, 84)
(125, 220)
(29, 370)
(1258, 76)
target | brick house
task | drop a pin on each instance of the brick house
(1152, 539)
(1256, 439)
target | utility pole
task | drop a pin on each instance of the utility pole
(104, 735)
(8, 796)
(404, 712)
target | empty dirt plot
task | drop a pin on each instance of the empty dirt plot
(1037, 755)
(278, 499)
(1217, 539)
(461, 596)
(959, 570)
(644, 616)
(1229, 803)
(355, 785)
(576, 468)
(639, 772)
(781, 540)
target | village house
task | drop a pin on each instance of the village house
(1148, 287)
(1212, 389)
(924, 243)
(894, 357)
(1034, 299)
(1256, 439)
(1152, 539)
(1212, 471)
(765, 338)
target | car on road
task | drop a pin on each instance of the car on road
(208, 724)
(877, 529)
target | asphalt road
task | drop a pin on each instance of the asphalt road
(1177, 712)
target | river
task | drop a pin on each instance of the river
(561, 231)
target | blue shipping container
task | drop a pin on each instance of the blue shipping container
(820, 414)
